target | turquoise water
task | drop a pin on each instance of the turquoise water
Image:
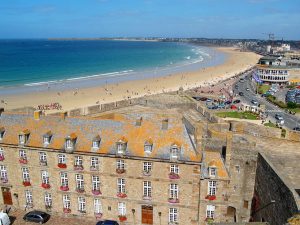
(33, 62)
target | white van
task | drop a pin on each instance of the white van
(4, 219)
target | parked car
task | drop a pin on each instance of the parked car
(228, 102)
(107, 222)
(236, 86)
(279, 122)
(242, 80)
(37, 217)
(241, 93)
(254, 102)
(236, 101)
(197, 98)
(247, 89)
(4, 219)
(278, 117)
(203, 99)
(296, 128)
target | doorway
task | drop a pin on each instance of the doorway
(147, 214)
(7, 200)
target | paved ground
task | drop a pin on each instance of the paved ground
(17, 219)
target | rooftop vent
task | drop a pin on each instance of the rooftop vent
(1, 111)
(138, 122)
(164, 125)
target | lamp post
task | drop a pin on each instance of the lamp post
(159, 214)
(133, 212)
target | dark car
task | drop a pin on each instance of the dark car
(107, 222)
(37, 217)
(296, 128)
(236, 101)
(241, 93)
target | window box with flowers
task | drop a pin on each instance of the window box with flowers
(209, 220)
(67, 210)
(121, 195)
(82, 211)
(211, 197)
(122, 218)
(173, 200)
(45, 186)
(3, 180)
(78, 167)
(120, 171)
(147, 173)
(147, 198)
(26, 183)
(96, 192)
(80, 190)
(2, 157)
(48, 208)
(64, 188)
(43, 163)
(23, 161)
(173, 176)
(98, 215)
(94, 168)
(62, 165)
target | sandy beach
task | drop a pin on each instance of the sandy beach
(235, 63)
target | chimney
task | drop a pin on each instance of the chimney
(1, 111)
(63, 115)
(165, 124)
(37, 114)
(138, 122)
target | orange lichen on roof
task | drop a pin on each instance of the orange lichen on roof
(214, 159)
(149, 141)
(2, 129)
(48, 133)
(123, 139)
(26, 131)
(73, 136)
(176, 143)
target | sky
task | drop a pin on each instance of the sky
(150, 18)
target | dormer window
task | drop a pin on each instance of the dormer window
(23, 137)
(70, 142)
(174, 152)
(47, 138)
(148, 146)
(2, 131)
(212, 171)
(121, 146)
(96, 142)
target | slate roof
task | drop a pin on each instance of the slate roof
(109, 131)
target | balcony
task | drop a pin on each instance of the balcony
(173, 200)
(96, 192)
(211, 197)
(2, 157)
(173, 176)
(62, 165)
(26, 183)
(120, 171)
(122, 218)
(23, 161)
(121, 195)
(64, 188)
(78, 167)
(45, 186)
(67, 210)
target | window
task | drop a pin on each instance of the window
(212, 171)
(96, 144)
(173, 215)
(48, 199)
(25, 174)
(66, 202)
(78, 161)
(148, 147)
(210, 211)
(120, 164)
(22, 154)
(43, 157)
(212, 187)
(174, 191)
(147, 188)
(121, 185)
(120, 148)
(62, 159)
(69, 143)
(28, 197)
(94, 163)
(246, 204)
(97, 206)
(237, 168)
(22, 139)
(174, 152)
(174, 169)
(147, 167)
(79, 182)
(45, 177)
(1, 153)
(95, 183)
(2, 131)
(81, 204)
(46, 140)
(3, 173)
(64, 179)
(122, 208)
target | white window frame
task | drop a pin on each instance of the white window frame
(174, 191)
(2, 135)
(147, 189)
(121, 185)
(81, 204)
(69, 143)
(174, 168)
(148, 148)
(28, 197)
(78, 161)
(122, 208)
(25, 174)
(212, 187)
(64, 182)
(46, 140)
(48, 199)
(45, 177)
(95, 162)
(95, 183)
(120, 149)
(66, 201)
(97, 206)
(43, 157)
(1, 151)
(210, 211)
(3, 172)
(22, 154)
(22, 139)
(174, 152)
(147, 167)
(212, 171)
(120, 164)
(62, 158)
(173, 215)
(96, 144)
(79, 181)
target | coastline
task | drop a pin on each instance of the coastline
(71, 97)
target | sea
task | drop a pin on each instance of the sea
(41, 63)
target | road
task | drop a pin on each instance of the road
(290, 121)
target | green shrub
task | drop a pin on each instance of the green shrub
(292, 105)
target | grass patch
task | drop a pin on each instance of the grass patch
(262, 89)
(270, 124)
(239, 115)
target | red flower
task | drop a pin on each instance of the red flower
(96, 192)
(26, 183)
(46, 186)
(121, 195)
(2, 157)
(122, 218)
(173, 176)
(66, 210)
(119, 171)
(62, 165)
(173, 200)
(64, 188)
(23, 161)
(211, 197)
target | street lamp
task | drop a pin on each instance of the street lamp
(159, 214)
(133, 212)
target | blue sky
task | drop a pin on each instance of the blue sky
(163, 18)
